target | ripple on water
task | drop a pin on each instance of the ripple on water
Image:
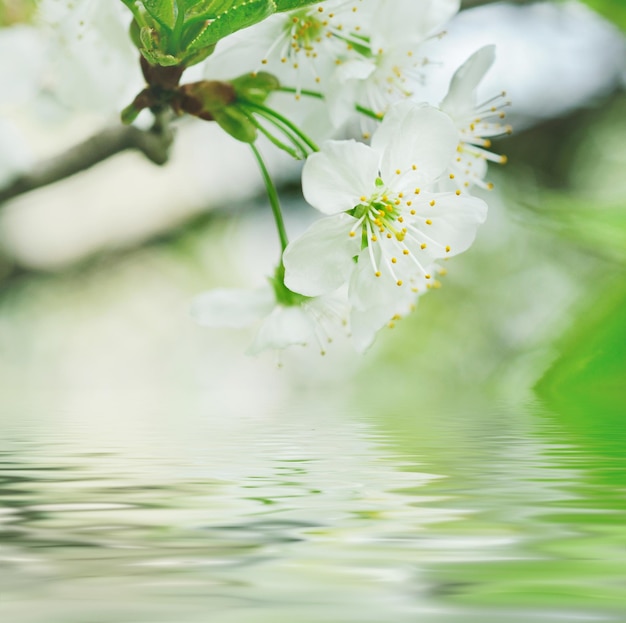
(304, 518)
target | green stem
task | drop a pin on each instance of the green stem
(297, 154)
(307, 92)
(317, 95)
(178, 29)
(369, 113)
(272, 195)
(295, 140)
(277, 142)
(136, 12)
(270, 113)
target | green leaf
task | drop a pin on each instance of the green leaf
(233, 19)
(153, 46)
(611, 9)
(601, 227)
(185, 32)
(162, 11)
(207, 8)
(592, 356)
(290, 5)
(156, 57)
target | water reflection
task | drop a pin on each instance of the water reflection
(308, 515)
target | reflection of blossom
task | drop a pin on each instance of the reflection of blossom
(281, 325)
(477, 122)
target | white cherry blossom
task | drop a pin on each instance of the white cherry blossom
(310, 320)
(390, 65)
(385, 225)
(301, 47)
(477, 122)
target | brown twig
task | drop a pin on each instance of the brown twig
(153, 143)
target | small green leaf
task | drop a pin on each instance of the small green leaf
(152, 47)
(156, 57)
(148, 37)
(162, 11)
(240, 16)
(207, 8)
(197, 56)
(290, 5)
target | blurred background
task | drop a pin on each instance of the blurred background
(101, 266)
(469, 467)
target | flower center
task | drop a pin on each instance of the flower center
(379, 215)
(306, 31)
(385, 223)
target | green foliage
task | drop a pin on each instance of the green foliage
(290, 5)
(164, 13)
(16, 12)
(614, 10)
(592, 358)
(184, 32)
(242, 15)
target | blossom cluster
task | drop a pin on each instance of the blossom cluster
(397, 199)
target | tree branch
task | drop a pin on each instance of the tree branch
(153, 143)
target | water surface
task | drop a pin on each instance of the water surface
(119, 510)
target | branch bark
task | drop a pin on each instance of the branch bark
(153, 143)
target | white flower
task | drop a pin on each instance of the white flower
(281, 325)
(371, 311)
(476, 122)
(92, 61)
(300, 47)
(386, 226)
(390, 65)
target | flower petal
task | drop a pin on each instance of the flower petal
(285, 326)
(435, 15)
(451, 223)
(461, 95)
(367, 291)
(232, 308)
(409, 22)
(334, 179)
(415, 138)
(364, 324)
(321, 259)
